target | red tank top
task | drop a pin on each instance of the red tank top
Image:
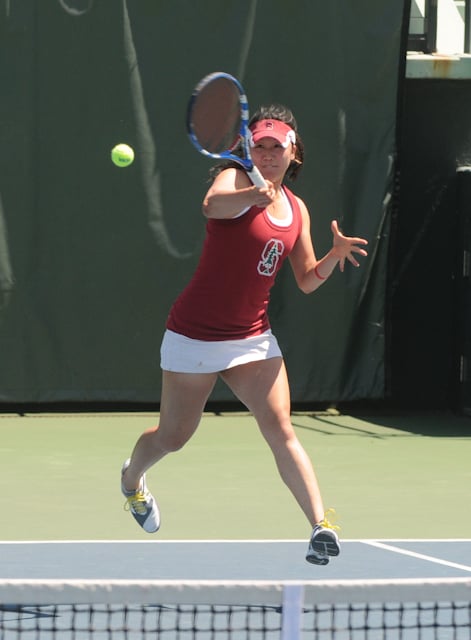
(228, 295)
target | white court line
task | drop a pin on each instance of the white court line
(413, 554)
(155, 541)
(160, 541)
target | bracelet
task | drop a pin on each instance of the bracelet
(318, 274)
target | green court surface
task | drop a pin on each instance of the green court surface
(388, 477)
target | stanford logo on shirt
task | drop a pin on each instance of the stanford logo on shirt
(270, 257)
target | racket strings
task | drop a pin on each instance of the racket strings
(216, 116)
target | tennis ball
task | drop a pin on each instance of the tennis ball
(122, 155)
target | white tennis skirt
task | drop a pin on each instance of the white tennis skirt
(186, 355)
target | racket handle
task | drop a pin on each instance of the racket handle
(257, 178)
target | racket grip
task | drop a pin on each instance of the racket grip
(257, 178)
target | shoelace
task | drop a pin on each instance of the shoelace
(137, 502)
(330, 513)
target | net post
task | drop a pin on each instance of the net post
(293, 600)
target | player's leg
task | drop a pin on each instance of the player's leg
(183, 398)
(263, 387)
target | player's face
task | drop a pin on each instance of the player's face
(271, 158)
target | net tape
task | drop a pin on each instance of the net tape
(25, 591)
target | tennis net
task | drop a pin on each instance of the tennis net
(235, 610)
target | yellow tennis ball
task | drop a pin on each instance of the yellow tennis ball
(122, 155)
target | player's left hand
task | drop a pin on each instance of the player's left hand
(344, 246)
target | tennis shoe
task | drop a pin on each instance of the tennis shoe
(324, 543)
(141, 504)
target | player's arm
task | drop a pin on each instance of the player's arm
(310, 272)
(232, 192)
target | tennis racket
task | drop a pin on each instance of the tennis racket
(217, 121)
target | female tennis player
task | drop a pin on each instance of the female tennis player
(219, 326)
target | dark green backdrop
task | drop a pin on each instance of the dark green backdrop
(91, 256)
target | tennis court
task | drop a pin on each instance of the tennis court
(230, 533)
(276, 560)
(403, 476)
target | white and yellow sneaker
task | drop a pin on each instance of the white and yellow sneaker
(324, 541)
(141, 504)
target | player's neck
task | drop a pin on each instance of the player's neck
(279, 208)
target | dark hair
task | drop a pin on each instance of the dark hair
(270, 112)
